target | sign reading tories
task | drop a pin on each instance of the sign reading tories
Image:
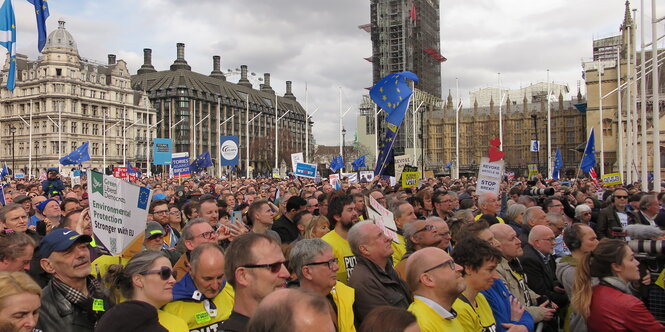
(180, 166)
(118, 210)
(229, 150)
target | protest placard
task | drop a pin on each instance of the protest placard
(611, 179)
(295, 159)
(118, 210)
(180, 165)
(305, 170)
(382, 217)
(489, 176)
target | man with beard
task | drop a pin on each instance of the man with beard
(375, 280)
(342, 215)
(436, 282)
(73, 300)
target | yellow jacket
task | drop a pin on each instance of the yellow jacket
(344, 296)
(195, 315)
(430, 321)
(399, 249)
(171, 322)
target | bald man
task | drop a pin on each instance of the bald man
(511, 248)
(292, 310)
(540, 266)
(436, 282)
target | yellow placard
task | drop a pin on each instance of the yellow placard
(533, 170)
(428, 175)
(611, 179)
(410, 179)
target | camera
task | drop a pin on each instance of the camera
(539, 192)
(649, 247)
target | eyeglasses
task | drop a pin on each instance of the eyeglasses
(622, 197)
(160, 212)
(164, 273)
(174, 213)
(450, 263)
(274, 267)
(550, 239)
(427, 228)
(207, 235)
(330, 263)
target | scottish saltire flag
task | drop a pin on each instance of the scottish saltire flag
(589, 159)
(558, 164)
(5, 171)
(78, 156)
(8, 39)
(201, 163)
(133, 170)
(41, 12)
(358, 163)
(448, 164)
(336, 164)
(392, 94)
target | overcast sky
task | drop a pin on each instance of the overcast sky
(318, 43)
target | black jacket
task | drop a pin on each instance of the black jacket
(608, 219)
(58, 314)
(287, 229)
(131, 316)
(541, 277)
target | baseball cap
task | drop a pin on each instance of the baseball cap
(21, 198)
(84, 196)
(153, 228)
(60, 239)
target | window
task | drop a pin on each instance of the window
(73, 127)
(607, 127)
(95, 129)
(58, 72)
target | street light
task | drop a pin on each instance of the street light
(343, 145)
(12, 129)
(535, 133)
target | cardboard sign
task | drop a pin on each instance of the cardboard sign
(180, 165)
(382, 217)
(163, 151)
(611, 179)
(489, 176)
(118, 210)
(410, 179)
(366, 176)
(400, 162)
(533, 170)
(305, 170)
(295, 159)
(334, 180)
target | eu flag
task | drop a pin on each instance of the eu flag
(392, 93)
(41, 12)
(8, 39)
(558, 164)
(336, 164)
(385, 149)
(133, 170)
(78, 156)
(589, 159)
(5, 171)
(201, 163)
(450, 163)
(358, 163)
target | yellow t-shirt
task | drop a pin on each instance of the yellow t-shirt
(479, 319)
(171, 322)
(194, 313)
(342, 251)
(430, 321)
(344, 296)
(399, 249)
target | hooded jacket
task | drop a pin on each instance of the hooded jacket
(199, 312)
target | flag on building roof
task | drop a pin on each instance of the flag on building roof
(8, 39)
(42, 13)
(78, 156)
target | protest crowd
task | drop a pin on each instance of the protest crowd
(296, 254)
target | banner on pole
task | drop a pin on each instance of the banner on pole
(305, 170)
(230, 150)
(162, 150)
(118, 211)
(489, 176)
(295, 159)
(180, 165)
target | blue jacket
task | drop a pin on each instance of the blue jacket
(498, 298)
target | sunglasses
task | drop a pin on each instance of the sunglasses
(274, 267)
(164, 272)
(622, 197)
(450, 263)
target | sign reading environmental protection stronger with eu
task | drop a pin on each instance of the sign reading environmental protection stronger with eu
(118, 210)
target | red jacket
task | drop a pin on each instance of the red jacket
(614, 310)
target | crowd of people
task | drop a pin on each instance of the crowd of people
(297, 255)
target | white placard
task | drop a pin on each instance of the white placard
(489, 176)
(384, 218)
(295, 159)
(400, 162)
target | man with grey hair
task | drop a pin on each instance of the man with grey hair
(196, 232)
(315, 265)
(557, 223)
(649, 208)
(404, 214)
(489, 205)
(532, 216)
(419, 234)
(375, 280)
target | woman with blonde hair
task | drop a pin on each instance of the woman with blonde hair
(20, 300)
(610, 305)
(317, 227)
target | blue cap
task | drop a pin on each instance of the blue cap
(158, 196)
(41, 206)
(60, 239)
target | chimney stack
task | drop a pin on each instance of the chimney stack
(147, 62)
(243, 77)
(111, 59)
(180, 62)
(266, 84)
(216, 72)
(289, 94)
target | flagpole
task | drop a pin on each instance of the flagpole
(276, 136)
(656, 99)
(633, 101)
(30, 152)
(549, 127)
(643, 106)
(124, 136)
(59, 135)
(413, 108)
(147, 141)
(104, 142)
(306, 125)
(500, 114)
(194, 154)
(219, 134)
(376, 132)
(457, 110)
(247, 140)
(600, 108)
(340, 120)
(628, 179)
(620, 118)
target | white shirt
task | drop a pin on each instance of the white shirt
(438, 308)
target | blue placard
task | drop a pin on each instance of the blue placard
(180, 165)
(162, 149)
(305, 170)
(230, 150)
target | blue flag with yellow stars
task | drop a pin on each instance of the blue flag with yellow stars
(392, 93)
(133, 170)
(358, 163)
(336, 164)
(201, 163)
(41, 12)
(78, 156)
(8, 39)
(558, 164)
(448, 164)
(5, 171)
(589, 159)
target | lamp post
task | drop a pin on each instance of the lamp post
(12, 129)
(535, 137)
(343, 146)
